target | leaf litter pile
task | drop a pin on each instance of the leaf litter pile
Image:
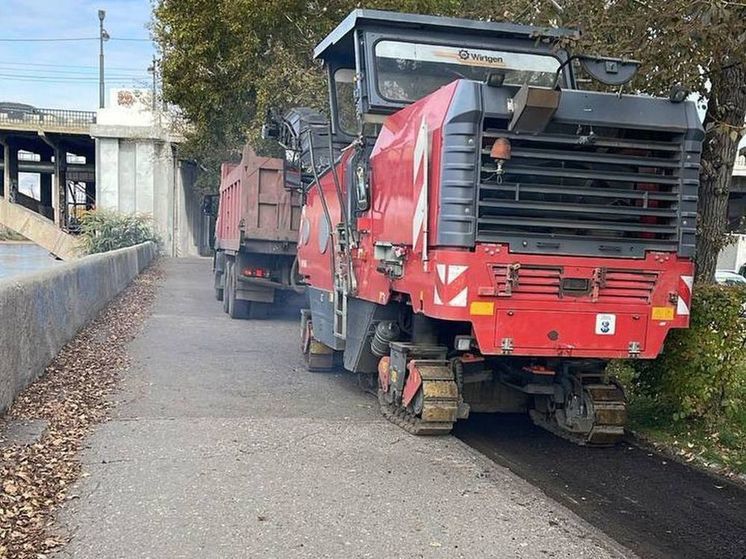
(71, 397)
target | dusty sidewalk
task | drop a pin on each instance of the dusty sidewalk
(222, 445)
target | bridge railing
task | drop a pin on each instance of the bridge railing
(46, 118)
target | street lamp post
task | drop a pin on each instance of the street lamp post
(102, 36)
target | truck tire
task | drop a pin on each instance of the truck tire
(226, 285)
(259, 311)
(219, 274)
(237, 308)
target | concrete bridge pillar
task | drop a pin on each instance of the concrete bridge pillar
(58, 193)
(45, 192)
(10, 171)
(60, 186)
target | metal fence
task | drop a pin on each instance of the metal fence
(45, 118)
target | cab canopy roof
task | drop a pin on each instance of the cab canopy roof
(339, 43)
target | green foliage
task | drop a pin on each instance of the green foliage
(10, 235)
(102, 231)
(225, 62)
(702, 370)
(692, 399)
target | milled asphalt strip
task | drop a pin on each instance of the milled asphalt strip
(223, 446)
(659, 508)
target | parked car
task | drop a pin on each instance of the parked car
(726, 277)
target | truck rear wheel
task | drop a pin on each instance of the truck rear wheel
(219, 266)
(259, 311)
(226, 285)
(237, 308)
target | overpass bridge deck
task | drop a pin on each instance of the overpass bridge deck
(60, 121)
(55, 144)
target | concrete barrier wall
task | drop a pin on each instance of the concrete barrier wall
(40, 313)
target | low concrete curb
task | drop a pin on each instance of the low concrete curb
(42, 312)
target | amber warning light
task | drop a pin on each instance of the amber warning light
(500, 149)
(500, 152)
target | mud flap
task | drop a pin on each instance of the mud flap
(318, 357)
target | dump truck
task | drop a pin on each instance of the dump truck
(256, 234)
(489, 235)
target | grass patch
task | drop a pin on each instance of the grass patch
(716, 443)
(102, 230)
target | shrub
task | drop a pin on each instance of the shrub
(102, 231)
(702, 370)
(10, 235)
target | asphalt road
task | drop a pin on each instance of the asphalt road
(222, 445)
(653, 506)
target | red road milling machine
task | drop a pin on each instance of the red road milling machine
(255, 236)
(480, 235)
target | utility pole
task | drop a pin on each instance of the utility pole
(102, 36)
(154, 70)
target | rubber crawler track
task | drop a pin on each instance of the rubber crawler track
(410, 422)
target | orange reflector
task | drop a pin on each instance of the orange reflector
(482, 308)
(662, 313)
(500, 149)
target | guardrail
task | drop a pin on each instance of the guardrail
(46, 118)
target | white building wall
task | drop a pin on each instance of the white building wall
(127, 171)
(107, 173)
(190, 221)
(733, 256)
(144, 178)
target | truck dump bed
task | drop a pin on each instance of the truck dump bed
(255, 209)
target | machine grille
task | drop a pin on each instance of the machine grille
(606, 284)
(620, 286)
(527, 280)
(579, 189)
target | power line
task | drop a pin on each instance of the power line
(65, 39)
(72, 73)
(12, 73)
(45, 40)
(66, 66)
(41, 79)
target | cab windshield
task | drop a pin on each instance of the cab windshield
(409, 71)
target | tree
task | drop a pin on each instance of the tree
(227, 61)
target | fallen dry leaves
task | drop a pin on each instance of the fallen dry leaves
(72, 396)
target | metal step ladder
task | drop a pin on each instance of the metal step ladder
(344, 281)
(340, 313)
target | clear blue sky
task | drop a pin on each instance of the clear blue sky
(64, 74)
